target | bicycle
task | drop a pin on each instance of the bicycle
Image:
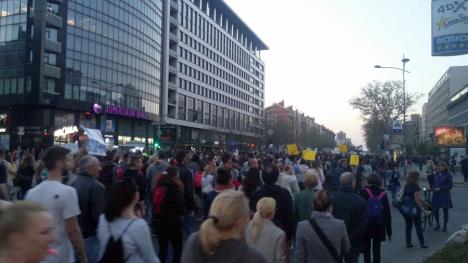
(427, 218)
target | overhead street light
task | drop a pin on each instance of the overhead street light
(403, 70)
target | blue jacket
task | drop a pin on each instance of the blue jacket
(442, 198)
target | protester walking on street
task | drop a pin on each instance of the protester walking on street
(263, 235)
(62, 202)
(287, 180)
(3, 177)
(380, 219)
(168, 207)
(284, 214)
(394, 181)
(223, 183)
(135, 172)
(351, 208)
(187, 178)
(430, 172)
(119, 223)
(251, 181)
(91, 198)
(412, 207)
(322, 238)
(220, 239)
(106, 175)
(304, 200)
(26, 233)
(25, 175)
(441, 198)
(464, 168)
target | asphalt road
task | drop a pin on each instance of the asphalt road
(396, 251)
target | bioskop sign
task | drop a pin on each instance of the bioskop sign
(449, 27)
(120, 111)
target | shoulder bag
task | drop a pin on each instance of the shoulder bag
(326, 242)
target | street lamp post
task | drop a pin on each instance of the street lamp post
(403, 70)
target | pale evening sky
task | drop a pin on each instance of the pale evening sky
(323, 51)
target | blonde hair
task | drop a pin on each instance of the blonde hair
(15, 218)
(311, 178)
(265, 208)
(227, 208)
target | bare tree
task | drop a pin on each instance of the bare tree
(380, 104)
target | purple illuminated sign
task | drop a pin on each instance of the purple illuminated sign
(121, 111)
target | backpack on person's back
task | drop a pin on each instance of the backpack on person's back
(198, 179)
(375, 207)
(160, 196)
(114, 252)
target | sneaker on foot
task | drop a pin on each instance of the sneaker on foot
(444, 229)
(409, 245)
(437, 228)
(424, 246)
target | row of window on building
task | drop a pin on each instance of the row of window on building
(200, 61)
(195, 110)
(208, 30)
(200, 47)
(215, 96)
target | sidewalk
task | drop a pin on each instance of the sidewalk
(457, 178)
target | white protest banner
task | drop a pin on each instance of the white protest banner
(96, 144)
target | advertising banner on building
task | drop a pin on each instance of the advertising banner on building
(449, 27)
(449, 136)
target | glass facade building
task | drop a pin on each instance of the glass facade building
(60, 58)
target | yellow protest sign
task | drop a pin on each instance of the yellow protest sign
(292, 149)
(309, 155)
(342, 148)
(354, 160)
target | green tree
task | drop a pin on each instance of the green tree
(380, 104)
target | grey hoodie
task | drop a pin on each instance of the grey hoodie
(154, 170)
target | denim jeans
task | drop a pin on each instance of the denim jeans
(92, 249)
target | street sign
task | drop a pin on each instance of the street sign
(449, 30)
(397, 126)
(20, 131)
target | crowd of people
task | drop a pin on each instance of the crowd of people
(205, 207)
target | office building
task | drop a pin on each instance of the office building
(444, 96)
(213, 81)
(69, 63)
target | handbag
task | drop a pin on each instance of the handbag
(326, 242)
(409, 208)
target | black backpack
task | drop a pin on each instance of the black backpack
(114, 252)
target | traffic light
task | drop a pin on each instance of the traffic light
(156, 145)
(45, 132)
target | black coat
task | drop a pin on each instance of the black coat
(186, 176)
(379, 232)
(91, 198)
(174, 204)
(352, 208)
(284, 206)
